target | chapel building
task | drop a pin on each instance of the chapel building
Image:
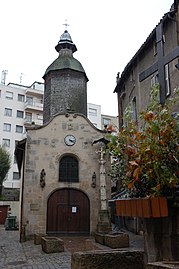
(64, 171)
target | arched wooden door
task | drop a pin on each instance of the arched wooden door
(68, 212)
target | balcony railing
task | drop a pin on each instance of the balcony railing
(35, 92)
(34, 106)
(31, 121)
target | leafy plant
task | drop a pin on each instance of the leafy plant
(147, 158)
(5, 164)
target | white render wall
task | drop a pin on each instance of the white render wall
(15, 105)
(94, 114)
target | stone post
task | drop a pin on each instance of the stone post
(104, 224)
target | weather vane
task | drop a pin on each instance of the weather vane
(66, 24)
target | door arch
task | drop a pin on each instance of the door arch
(68, 212)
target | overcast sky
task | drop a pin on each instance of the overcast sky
(106, 33)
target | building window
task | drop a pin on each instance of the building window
(21, 98)
(134, 109)
(20, 114)
(155, 48)
(9, 95)
(106, 121)
(0, 93)
(7, 127)
(29, 100)
(8, 112)
(92, 111)
(16, 176)
(68, 169)
(16, 142)
(154, 80)
(6, 142)
(15, 161)
(167, 80)
(19, 129)
(132, 76)
(28, 117)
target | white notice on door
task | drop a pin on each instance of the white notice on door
(73, 209)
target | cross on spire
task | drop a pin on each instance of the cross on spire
(66, 25)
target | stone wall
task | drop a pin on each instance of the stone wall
(65, 90)
(108, 259)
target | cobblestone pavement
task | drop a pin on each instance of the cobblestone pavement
(27, 255)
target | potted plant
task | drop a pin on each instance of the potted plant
(146, 155)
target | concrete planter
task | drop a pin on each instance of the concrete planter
(38, 238)
(163, 264)
(118, 240)
(108, 259)
(99, 238)
(152, 207)
(52, 244)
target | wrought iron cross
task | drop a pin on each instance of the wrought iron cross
(66, 24)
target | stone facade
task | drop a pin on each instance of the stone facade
(65, 90)
(154, 63)
(44, 148)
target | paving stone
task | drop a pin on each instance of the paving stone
(27, 255)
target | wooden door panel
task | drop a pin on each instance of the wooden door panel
(68, 212)
(3, 214)
(62, 217)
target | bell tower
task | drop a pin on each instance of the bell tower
(65, 82)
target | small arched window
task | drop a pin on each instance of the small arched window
(68, 169)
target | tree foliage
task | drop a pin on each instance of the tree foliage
(147, 158)
(5, 163)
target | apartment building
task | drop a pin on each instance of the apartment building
(21, 106)
(94, 114)
(107, 120)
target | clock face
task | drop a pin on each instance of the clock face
(70, 140)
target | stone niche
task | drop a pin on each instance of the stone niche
(52, 244)
(108, 259)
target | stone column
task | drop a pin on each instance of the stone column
(104, 224)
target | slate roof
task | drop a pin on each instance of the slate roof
(66, 59)
(65, 62)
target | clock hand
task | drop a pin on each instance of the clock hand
(71, 140)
